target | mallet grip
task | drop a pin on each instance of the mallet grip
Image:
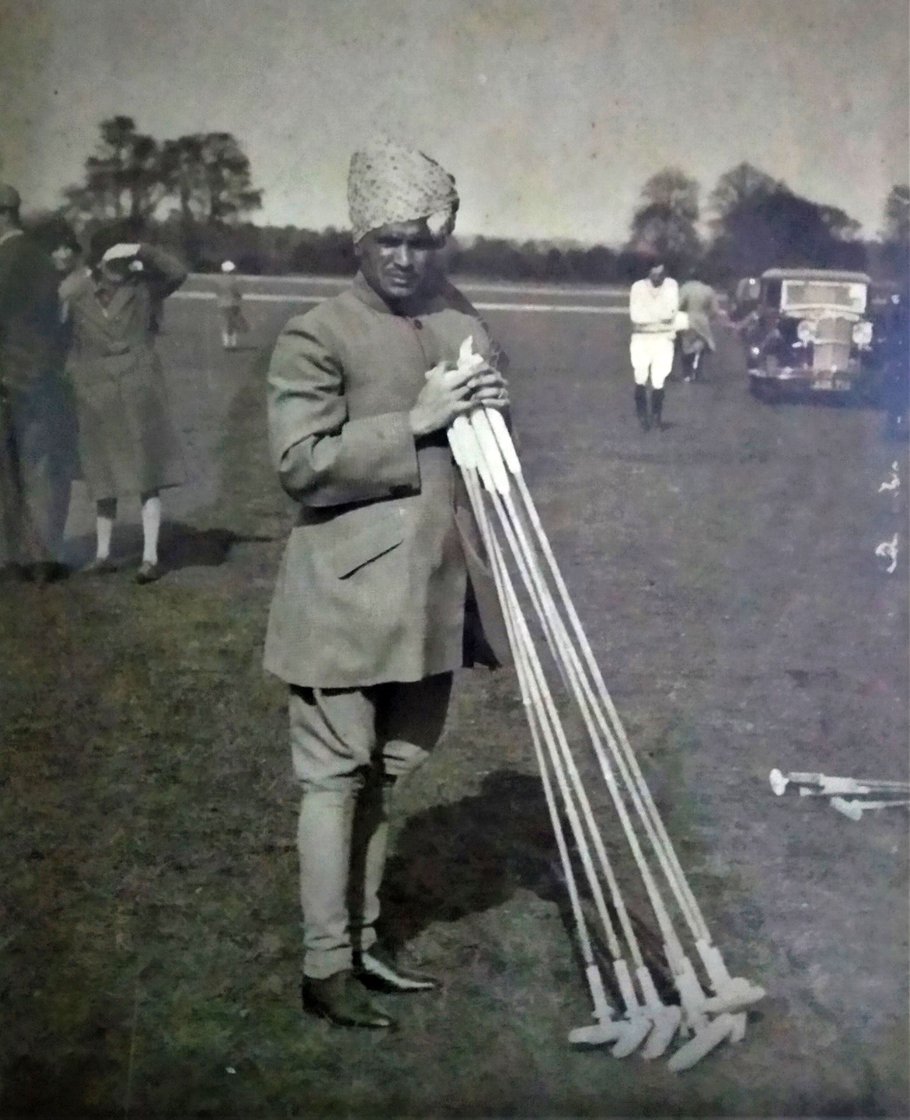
(489, 450)
(504, 439)
(462, 443)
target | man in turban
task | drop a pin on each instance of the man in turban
(383, 591)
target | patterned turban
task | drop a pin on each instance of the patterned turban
(388, 183)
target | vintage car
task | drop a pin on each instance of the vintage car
(809, 330)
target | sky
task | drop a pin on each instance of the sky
(551, 114)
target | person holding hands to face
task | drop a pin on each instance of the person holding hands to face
(128, 443)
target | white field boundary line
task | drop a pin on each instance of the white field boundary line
(272, 297)
(470, 286)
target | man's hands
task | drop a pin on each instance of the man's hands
(450, 392)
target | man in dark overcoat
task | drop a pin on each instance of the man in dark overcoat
(36, 465)
(382, 591)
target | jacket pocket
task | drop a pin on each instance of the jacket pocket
(366, 545)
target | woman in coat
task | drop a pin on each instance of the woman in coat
(127, 440)
(699, 301)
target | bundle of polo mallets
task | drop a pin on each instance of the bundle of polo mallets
(510, 527)
(851, 797)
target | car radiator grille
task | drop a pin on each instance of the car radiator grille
(832, 344)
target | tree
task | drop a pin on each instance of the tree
(779, 228)
(130, 175)
(122, 178)
(737, 186)
(895, 247)
(897, 215)
(210, 177)
(664, 223)
(675, 190)
(759, 223)
(839, 223)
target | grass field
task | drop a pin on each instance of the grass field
(724, 571)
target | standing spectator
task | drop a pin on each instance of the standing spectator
(230, 300)
(382, 590)
(892, 332)
(68, 258)
(127, 440)
(699, 301)
(35, 472)
(653, 307)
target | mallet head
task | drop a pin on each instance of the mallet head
(705, 1039)
(666, 1021)
(597, 1034)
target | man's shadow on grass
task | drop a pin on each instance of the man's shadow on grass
(183, 546)
(463, 858)
(468, 856)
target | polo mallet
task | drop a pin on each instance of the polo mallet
(708, 1034)
(653, 1013)
(637, 1024)
(665, 1018)
(823, 785)
(892, 483)
(855, 809)
(731, 994)
(692, 997)
(464, 452)
(679, 967)
(888, 550)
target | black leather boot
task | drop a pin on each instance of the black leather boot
(375, 969)
(657, 407)
(641, 407)
(342, 1000)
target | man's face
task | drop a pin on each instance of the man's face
(656, 275)
(397, 260)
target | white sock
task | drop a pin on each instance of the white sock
(104, 527)
(151, 524)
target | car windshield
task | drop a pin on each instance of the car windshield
(824, 293)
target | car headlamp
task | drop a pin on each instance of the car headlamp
(862, 333)
(805, 331)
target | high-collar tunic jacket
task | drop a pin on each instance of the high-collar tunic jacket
(374, 582)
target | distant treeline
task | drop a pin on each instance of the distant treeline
(269, 250)
(277, 251)
(196, 193)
